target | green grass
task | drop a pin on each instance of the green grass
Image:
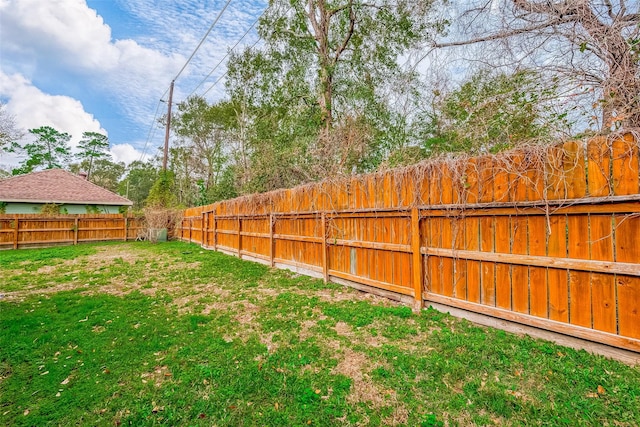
(170, 334)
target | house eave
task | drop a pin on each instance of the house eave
(68, 202)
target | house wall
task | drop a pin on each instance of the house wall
(32, 208)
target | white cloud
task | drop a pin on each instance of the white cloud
(64, 45)
(68, 35)
(126, 153)
(33, 108)
(65, 30)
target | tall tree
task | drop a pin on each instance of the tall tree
(343, 43)
(140, 177)
(93, 146)
(50, 150)
(318, 95)
(204, 142)
(105, 173)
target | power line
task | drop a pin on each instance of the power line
(174, 79)
(227, 72)
(152, 129)
(228, 53)
(250, 47)
(203, 39)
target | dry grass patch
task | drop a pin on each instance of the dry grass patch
(158, 376)
(364, 389)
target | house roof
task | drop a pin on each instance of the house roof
(57, 186)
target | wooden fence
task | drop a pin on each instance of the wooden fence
(547, 237)
(30, 230)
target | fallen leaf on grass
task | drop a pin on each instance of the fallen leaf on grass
(592, 395)
(66, 381)
(514, 393)
(26, 412)
(601, 390)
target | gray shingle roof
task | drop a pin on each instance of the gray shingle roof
(56, 186)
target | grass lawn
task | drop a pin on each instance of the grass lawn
(170, 334)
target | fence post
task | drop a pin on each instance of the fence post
(416, 258)
(272, 225)
(239, 236)
(215, 233)
(15, 233)
(325, 254)
(75, 231)
(203, 239)
(126, 227)
(190, 228)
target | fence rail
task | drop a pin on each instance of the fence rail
(545, 237)
(29, 230)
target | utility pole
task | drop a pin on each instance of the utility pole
(166, 133)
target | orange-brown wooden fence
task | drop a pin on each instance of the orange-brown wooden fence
(548, 237)
(29, 230)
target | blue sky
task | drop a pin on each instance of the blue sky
(103, 65)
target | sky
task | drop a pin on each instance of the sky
(103, 65)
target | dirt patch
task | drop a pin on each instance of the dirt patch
(158, 376)
(305, 329)
(245, 316)
(103, 256)
(19, 296)
(333, 295)
(216, 306)
(350, 294)
(108, 254)
(355, 365)
(268, 292)
(117, 285)
(267, 340)
(343, 329)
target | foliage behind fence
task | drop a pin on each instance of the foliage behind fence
(28, 230)
(546, 236)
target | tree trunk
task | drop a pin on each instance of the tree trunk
(621, 87)
(320, 17)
